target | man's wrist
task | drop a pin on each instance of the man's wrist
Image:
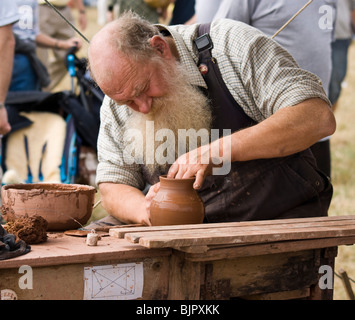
(2, 105)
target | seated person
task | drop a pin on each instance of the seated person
(273, 110)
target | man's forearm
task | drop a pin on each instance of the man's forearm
(288, 131)
(7, 45)
(124, 202)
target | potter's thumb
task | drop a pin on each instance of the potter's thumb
(156, 187)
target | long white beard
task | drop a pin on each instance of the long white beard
(158, 138)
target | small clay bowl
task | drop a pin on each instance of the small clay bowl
(64, 206)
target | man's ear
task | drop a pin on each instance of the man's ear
(161, 46)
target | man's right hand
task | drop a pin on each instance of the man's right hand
(149, 197)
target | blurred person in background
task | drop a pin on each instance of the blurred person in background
(204, 12)
(8, 16)
(28, 72)
(183, 11)
(53, 25)
(344, 29)
(138, 6)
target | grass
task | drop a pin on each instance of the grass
(343, 172)
(343, 159)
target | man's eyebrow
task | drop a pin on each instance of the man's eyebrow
(121, 103)
(141, 88)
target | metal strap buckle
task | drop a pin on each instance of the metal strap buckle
(204, 42)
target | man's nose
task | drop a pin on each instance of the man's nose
(144, 103)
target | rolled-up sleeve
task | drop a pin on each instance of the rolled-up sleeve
(261, 75)
(275, 80)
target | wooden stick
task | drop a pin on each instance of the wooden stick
(96, 204)
(347, 284)
(293, 17)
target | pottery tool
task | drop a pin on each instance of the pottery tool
(92, 238)
(292, 18)
(77, 233)
(102, 231)
(66, 20)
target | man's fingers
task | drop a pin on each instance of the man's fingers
(200, 177)
(173, 171)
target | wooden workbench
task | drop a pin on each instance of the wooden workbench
(277, 259)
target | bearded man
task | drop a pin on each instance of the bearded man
(272, 110)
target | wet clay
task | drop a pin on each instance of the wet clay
(32, 230)
(64, 206)
(176, 202)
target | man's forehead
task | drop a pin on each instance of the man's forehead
(110, 65)
(126, 82)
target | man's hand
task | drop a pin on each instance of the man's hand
(69, 43)
(124, 202)
(149, 197)
(196, 163)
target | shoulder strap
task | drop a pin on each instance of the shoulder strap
(203, 41)
(228, 114)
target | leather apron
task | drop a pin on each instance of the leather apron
(287, 187)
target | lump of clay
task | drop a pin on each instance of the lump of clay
(32, 230)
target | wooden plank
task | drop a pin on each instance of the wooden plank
(211, 237)
(283, 295)
(184, 278)
(60, 249)
(232, 251)
(268, 273)
(120, 233)
(135, 236)
(216, 230)
(214, 290)
(326, 258)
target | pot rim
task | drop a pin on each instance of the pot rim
(49, 186)
(164, 177)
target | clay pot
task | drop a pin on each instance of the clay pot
(176, 202)
(58, 203)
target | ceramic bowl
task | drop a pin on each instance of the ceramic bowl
(64, 206)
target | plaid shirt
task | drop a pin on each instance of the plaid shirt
(261, 76)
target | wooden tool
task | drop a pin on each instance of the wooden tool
(102, 231)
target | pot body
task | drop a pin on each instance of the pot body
(58, 203)
(176, 202)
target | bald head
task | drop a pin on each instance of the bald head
(102, 55)
(129, 34)
(124, 41)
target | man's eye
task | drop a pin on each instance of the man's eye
(122, 103)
